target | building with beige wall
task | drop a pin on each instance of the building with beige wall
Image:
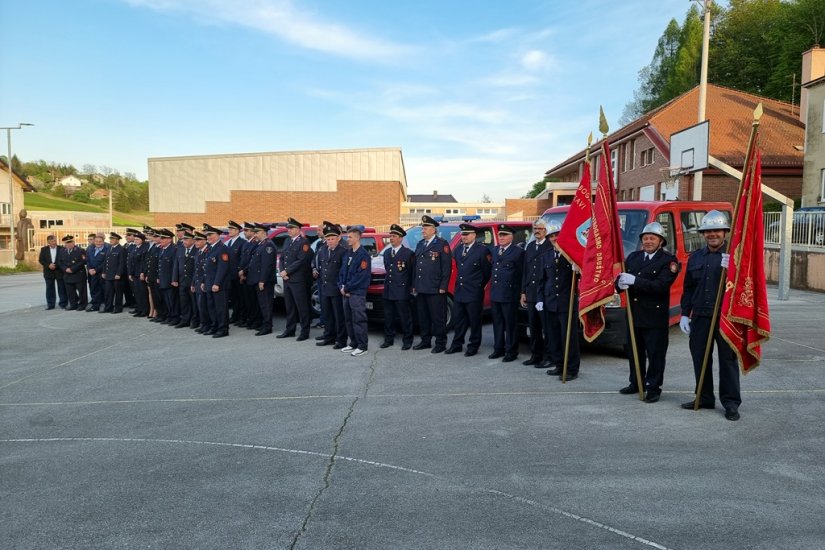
(437, 204)
(345, 186)
(9, 216)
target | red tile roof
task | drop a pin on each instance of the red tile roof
(730, 113)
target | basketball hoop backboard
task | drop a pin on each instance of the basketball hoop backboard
(689, 149)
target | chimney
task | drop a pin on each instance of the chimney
(435, 191)
(813, 67)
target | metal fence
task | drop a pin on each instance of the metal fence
(807, 228)
(37, 237)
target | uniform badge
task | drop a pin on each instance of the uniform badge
(269, 250)
(489, 257)
(400, 265)
(674, 267)
(363, 264)
(446, 249)
(433, 256)
(306, 248)
(225, 257)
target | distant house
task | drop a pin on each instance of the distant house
(70, 182)
(100, 194)
(446, 205)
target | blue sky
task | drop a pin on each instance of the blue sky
(482, 97)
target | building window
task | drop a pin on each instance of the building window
(648, 156)
(633, 155)
(46, 224)
(6, 208)
(614, 164)
(487, 211)
(421, 211)
(453, 211)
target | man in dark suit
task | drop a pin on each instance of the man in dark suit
(399, 268)
(505, 289)
(216, 282)
(128, 288)
(252, 311)
(114, 275)
(433, 267)
(261, 273)
(95, 261)
(182, 272)
(72, 261)
(235, 244)
(296, 271)
(52, 274)
(168, 291)
(204, 323)
(555, 283)
(134, 268)
(473, 263)
(329, 260)
(649, 274)
(529, 291)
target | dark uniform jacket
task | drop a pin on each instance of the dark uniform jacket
(507, 272)
(532, 268)
(433, 266)
(399, 269)
(46, 258)
(704, 270)
(473, 270)
(166, 264)
(96, 262)
(137, 260)
(184, 269)
(150, 265)
(296, 260)
(217, 267)
(555, 281)
(199, 275)
(235, 252)
(131, 251)
(650, 293)
(74, 259)
(329, 264)
(246, 255)
(262, 268)
(354, 277)
(115, 263)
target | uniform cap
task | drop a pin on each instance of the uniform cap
(130, 231)
(398, 230)
(207, 229)
(199, 236)
(467, 229)
(139, 235)
(166, 233)
(506, 229)
(249, 225)
(114, 235)
(654, 228)
(714, 220)
(235, 225)
(260, 227)
(183, 227)
(68, 239)
(188, 235)
(427, 220)
(292, 222)
(92, 235)
(331, 229)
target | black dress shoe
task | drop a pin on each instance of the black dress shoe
(339, 346)
(555, 371)
(422, 345)
(496, 355)
(532, 361)
(405, 347)
(320, 337)
(385, 345)
(689, 405)
(652, 397)
(240, 324)
(263, 332)
(302, 337)
(732, 415)
(438, 349)
(220, 334)
(470, 352)
(49, 307)
(181, 325)
(547, 365)
(209, 332)
(62, 307)
(570, 377)
(325, 343)
(509, 358)
(630, 389)
(286, 335)
(452, 350)
(199, 330)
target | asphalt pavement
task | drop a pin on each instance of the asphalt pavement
(119, 433)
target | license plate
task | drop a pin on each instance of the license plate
(369, 305)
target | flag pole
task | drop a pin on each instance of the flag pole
(573, 288)
(757, 115)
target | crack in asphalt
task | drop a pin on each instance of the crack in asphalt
(336, 441)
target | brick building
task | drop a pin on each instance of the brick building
(346, 186)
(640, 151)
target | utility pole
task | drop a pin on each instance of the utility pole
(703, 91)
(13, 243)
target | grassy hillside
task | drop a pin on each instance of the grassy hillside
(43, 201)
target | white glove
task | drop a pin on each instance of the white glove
(627, 279)
(725, 260)
(684, 324)
(576, 269)
(539, 306)
(623, 286)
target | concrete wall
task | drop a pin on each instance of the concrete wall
(814, 147)
(807, 269)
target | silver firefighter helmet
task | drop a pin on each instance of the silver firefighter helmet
(714, 220)
(553, 227)
(654, 228)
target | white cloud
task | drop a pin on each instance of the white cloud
(535, 60)
(284, 20)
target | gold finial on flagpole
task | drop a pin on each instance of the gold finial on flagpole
(757, 113)
(603, 127)
(589, 143)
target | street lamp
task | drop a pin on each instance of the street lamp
(12, 244)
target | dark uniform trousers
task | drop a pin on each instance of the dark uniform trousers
(170, 302)
(128, 286)
(651, 348)
(236, 298)
(96, 289)
(114, 294)
(76, 292)
(556, 322)
(253, 306)
(729, 394)
(296, 300)
(432, 317)
(335, 326)
(355, 317)
(467, 315)
(218, 305)
(264, 305)
(185, 303)
(203, 309)
(504, 328)
(398, 311)
(141, 292)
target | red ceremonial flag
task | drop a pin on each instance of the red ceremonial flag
(573, 235)
(745, 321)
(603, 255)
